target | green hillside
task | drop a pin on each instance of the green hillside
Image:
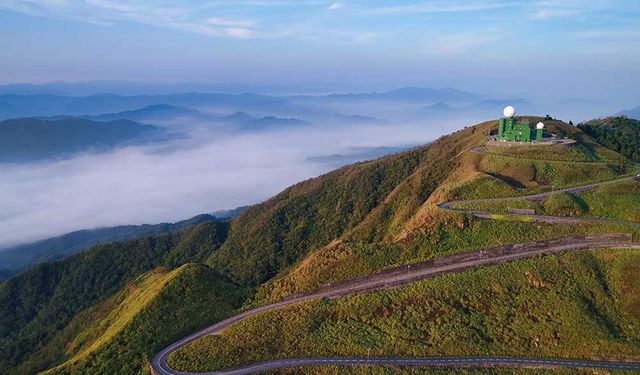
(39, 303)
(425, 231)
(21, 257)
(271, 236)
(580, 305)
(621, 134)
(157, 308)
(108, 306)
(618, 201)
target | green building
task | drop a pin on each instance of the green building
(511, 130)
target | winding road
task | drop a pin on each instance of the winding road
(403, 275)
(433, 362)
(451, 206)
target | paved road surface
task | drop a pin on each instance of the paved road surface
(435, 362)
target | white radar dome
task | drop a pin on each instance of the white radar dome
(540, 125)
(509, 111)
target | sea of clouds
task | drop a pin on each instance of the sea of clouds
(167, 182)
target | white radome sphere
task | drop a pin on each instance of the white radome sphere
(540, 125)
(508, 111)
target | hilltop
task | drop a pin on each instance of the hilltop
(354, 221)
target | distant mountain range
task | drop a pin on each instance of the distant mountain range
(152, 88)
(32, 139)
(408, 94)
(271, 122)
(500, 103)
(167, 114)
(164, 113)
(21, 257)
(438, 107)
(23, 102)
(356, 120)
(29, 139)
(482, 107)
(148, 113)
(13, 106)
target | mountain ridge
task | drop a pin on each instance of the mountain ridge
(20, 257)
(357, 220)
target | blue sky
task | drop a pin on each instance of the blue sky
(508, 46)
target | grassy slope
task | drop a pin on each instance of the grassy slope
(371, 201)
(349, 222)
(36, 305)
(156, 309)
(130, 302)
(618, 201)
(425, 231)
(579, 305)
(429, 232)
(271, 236)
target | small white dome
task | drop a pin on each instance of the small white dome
(540, 125)
(508, 111)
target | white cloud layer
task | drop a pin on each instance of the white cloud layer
(153, 184)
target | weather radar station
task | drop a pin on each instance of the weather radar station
(511, 129)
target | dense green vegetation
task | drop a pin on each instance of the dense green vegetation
(105, 310)
(430, 232)
(38, 303)
(544, 307)
(21, 257)
(620, 134)
(158, 309)
(521, 170)
(273, 235)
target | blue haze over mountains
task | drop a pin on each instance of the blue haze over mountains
(165, 152)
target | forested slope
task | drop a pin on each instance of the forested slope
(158, 307)
(621, 134)
(42, 301)
(350, 222)
(21, 257)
